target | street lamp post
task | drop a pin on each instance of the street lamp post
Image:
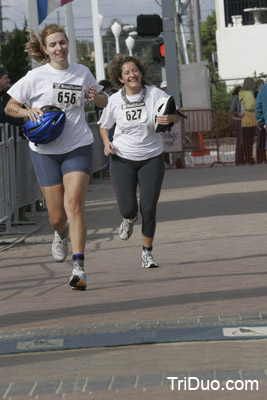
(116, 30)
(130, 42)
(98, 46)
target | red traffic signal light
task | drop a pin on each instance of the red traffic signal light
(162, 50)
(158, 52)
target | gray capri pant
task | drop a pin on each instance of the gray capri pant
(50, 168)
(126, 175)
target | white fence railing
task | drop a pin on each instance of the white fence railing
(18, 183)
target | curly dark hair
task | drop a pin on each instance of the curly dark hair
(115, 68)
(236, 90)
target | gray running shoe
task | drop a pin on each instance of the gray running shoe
(126, 228)
(148, 260)
(60, 247)
(78, 277)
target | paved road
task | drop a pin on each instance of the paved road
(202, 314)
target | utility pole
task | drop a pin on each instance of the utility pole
(2, 34)
(197, 31)
(191, 31)
(1, 23)
(98, 46)
(170, 45)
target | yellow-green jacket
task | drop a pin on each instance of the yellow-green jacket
(248, 100)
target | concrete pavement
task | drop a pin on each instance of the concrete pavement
(201, 314)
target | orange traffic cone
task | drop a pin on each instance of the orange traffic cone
(201, 146)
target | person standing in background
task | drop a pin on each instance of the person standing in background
(261, 138)
(163, 86)
(235, 110)
(261, 108)
(4, 98)
(248, 121)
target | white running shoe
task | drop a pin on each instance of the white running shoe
(60, 247)
(126, 228)
(78, 277)
(148, 260)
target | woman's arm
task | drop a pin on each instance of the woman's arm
(108, 146)
(15, 109)
(100, 99)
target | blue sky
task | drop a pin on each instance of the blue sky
(14, 11)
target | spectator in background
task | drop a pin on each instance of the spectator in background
(261, 138)
(235, 110)
(248, 122)
(261, 109)
(163, 86)
(108, 89)
(4, 98)
(258, 85)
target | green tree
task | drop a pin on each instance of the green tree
(85, 52)
(208, 37)
(13, 57)
(220, 97)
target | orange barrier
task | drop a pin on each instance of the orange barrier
(201, 153)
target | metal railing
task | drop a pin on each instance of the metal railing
(237, 7)
(18, 184)
(211, 137)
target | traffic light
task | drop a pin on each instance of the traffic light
(158, 52)
(149, 25)
(162, 50)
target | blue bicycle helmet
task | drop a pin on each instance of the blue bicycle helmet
(49, 128)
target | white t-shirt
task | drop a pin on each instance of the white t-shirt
(65, 89)
(134, 137)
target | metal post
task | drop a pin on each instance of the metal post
(33, 22)
(70, 32)
(98, 46)
(171, 54)
(197, 30)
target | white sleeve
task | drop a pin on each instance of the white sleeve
(21, 91)
(93, 82)
(107, 119)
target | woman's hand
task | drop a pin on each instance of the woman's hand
(35, 114)
(91, 94)
(100, 99)
(108, 148)
(167, 119)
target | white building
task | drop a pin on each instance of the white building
(241, 39)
